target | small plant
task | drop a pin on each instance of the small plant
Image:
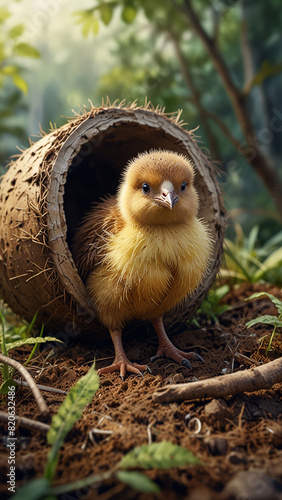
(267, 319)
(163, 455)
(211, 306)
(7, 344)
(245, 260)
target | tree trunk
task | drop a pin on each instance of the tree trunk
(250, 148)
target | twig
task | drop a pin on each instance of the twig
(41, 387)
(27, 423)
(25, 374)
(247, 359)
(254, 379)
(101, 431)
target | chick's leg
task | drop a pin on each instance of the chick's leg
(121, 362)
(166, 348)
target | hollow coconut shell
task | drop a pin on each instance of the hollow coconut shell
(48, 189)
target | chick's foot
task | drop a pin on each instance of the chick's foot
(166, 348)
(177, 355)
(124, 366)
(121, 362)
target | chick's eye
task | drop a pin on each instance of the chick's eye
(145, 188)
(183, 186)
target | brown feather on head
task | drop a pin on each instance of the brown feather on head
(156, 180)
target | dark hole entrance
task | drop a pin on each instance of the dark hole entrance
(96, 170)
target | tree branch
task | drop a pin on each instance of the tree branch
(224, 128)
(211, 49)
(196, 97)
(254, 379)
(196, 100)
(246, 52)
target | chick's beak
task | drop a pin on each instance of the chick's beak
(166, 199)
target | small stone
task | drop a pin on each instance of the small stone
(178, 378)
(252, 485)
(216, 408)
(218, 446)
(236, 458)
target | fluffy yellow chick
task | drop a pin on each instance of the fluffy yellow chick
(142, 252)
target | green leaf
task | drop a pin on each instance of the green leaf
(128, 14)
(106, 13)
(275, 300)
(89, 22)
(71, 409)
(95, 26)
(9, 70)
(80, 484)
(253, 236)
(274, 260)
(69, 412)
(4, 14)
(163, 455)
(267, 69)
(266, 320)
(35, 345)
(16, 31)
(25, 50)
(222, 309)
(137, 481)
(31, 341)
(273, 242)
(86, 28)
(221, 291)
(33, 490)
(31, 325)
(231, 254)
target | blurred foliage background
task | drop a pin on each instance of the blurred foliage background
(218, 60)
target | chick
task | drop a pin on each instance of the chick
(144, 251)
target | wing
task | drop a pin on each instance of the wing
(91, 237)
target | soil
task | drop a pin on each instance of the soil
(239, 433)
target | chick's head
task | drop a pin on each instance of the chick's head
(157, 188)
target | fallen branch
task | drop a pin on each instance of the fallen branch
(25, 374)
(27, 423)
(254, 379)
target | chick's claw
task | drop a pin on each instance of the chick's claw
(181, 357)
(124, 366)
